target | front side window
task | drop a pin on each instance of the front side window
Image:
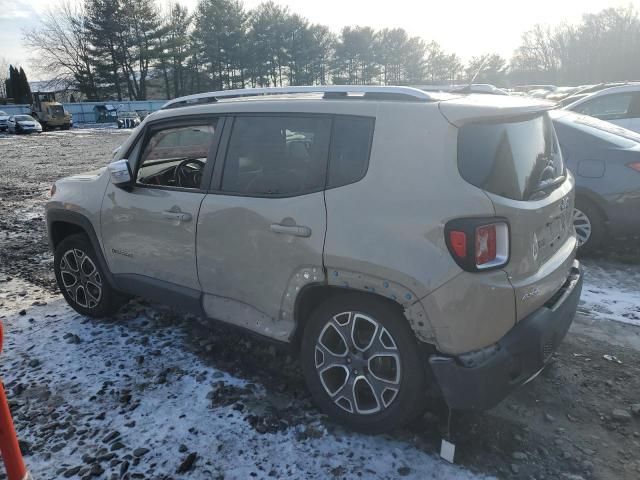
(277, 155)
(176, 157)
(607, 107)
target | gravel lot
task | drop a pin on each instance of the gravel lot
(153, 393)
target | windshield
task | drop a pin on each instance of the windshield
(2, 113)
(512, 159)
(24, 118)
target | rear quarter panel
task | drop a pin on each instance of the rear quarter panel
(389, 227)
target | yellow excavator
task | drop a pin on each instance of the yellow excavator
(50, 113)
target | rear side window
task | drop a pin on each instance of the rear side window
(607, 107)
(277, 155)
(517, 160)
(591, 128)
(350, 149)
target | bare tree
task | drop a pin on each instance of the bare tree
(62, 47)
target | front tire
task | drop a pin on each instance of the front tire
(81, 279)
(362, 363)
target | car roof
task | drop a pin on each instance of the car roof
(340, 100)
(630, 87)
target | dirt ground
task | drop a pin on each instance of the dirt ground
(580, 419)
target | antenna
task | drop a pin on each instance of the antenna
(484, 62)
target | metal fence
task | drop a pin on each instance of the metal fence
(84, 112)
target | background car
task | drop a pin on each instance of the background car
(561, 93)
(23, 124)
(128, 119)
(4, 119)
(619, 105)
(605, 160)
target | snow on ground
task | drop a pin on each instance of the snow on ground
(106, 397)
(611, 291)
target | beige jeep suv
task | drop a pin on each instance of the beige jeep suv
(401, 241)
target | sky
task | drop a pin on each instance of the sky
(466, 27)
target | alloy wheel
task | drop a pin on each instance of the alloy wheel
(81, 278)
(582, 225)
(358, 363)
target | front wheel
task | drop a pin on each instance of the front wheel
(81, 279)
(362, 364)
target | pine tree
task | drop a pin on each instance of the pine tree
(25, 89)
(9, 83)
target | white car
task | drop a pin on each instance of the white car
(4, 120)
(619, 105)
(23, 124)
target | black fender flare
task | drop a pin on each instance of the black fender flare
(79, 220)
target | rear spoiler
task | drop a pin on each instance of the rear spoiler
(493, 108)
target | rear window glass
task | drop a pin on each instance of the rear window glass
(516, 160)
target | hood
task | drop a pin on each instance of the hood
(86, 176)
(27, 123)
(477, 107)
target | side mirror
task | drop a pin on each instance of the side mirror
(120, 172)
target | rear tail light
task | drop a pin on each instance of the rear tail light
(634, 165)
(478, 243)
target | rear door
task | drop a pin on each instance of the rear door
(634, 116)
(261, 230)
(518, 164)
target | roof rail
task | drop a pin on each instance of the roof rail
(330, 91)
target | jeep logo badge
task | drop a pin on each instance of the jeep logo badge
(564, 204)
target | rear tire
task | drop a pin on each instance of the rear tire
(81, 279)
(589, 225)
(362, 363)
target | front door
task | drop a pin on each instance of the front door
(149, 230)
(261, 233)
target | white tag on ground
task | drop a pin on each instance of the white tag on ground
(447, 451)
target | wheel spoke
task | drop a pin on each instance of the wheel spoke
(364, 332)
(344, 397)
(80, 295)
(384, 390)
(70, 261)
(326, 358)
(342, 324)
(365, 397)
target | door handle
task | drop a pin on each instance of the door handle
(179, 216)
(297, 230)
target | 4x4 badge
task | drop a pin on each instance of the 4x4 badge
(533, 293)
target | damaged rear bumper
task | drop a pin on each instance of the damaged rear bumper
(480, 380)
